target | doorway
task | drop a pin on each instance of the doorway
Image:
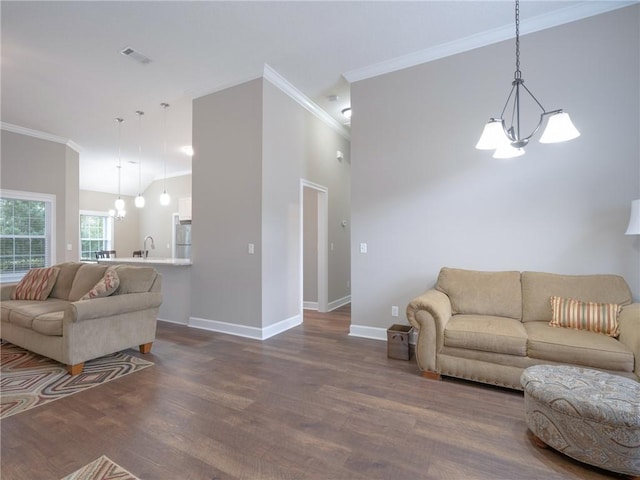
(314, 239)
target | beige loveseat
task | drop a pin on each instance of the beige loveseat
(490, 326)
(70, 330)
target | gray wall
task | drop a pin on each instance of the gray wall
(253, 144)
(34, 165)
(227, 201)
(423, 197)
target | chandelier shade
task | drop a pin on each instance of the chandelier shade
(560, 128)
(497, 136)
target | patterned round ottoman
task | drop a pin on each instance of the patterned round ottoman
(589, 415)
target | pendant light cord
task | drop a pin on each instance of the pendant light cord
(164, 182)
(119, 120)
(139, 113)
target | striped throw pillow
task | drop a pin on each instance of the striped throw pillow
(36, 284)
(595, 317)
(105, 287)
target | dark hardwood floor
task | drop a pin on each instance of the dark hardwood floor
(310, 403)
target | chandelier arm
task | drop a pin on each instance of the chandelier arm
(506, 104)
(533, 96)
(535, 130)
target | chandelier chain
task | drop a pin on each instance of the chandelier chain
(518, 74)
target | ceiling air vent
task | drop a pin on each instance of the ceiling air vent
(137, 56)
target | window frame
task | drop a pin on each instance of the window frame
(50, 227)
(109, 226)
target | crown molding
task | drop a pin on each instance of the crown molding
(489, 37)
(40, 135)
(289, 89)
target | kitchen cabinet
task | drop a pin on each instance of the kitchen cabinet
(184, 209)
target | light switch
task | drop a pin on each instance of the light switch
(251, 248)
(363, 248)
(69, 247)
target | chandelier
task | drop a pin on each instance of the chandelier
(509, 142)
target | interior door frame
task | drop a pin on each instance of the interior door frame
(323, 244)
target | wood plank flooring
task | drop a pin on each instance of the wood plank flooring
(310, 403)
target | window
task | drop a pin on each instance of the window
(96, 233)
(27, 225)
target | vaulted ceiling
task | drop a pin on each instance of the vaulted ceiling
(63, 73)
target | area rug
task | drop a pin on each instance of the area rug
(28, 380)
(101, 469)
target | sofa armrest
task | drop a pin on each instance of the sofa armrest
(110, 306)
(429, 314)
(5, 291)
(629, 324)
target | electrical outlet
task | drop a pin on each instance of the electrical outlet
(394, 311)
(363, 248)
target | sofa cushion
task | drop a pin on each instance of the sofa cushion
(482, 293)
(577, 347)
(63, 284)
(36, 284)
(595, 317)
(48, 323)
(486, 333)
(135, 279)
(86, 277)
(105, 286)
(22, 312)
(538, 288)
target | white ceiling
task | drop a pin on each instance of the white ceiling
(63, 74)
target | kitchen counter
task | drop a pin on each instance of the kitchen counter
(153, 261)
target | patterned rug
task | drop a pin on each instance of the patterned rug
(101, 469)
(28, 380)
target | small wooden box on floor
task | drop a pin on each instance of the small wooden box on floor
(398, 346)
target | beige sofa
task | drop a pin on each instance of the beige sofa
(70, 330)
(490, 326)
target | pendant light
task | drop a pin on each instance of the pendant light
(119, 212)
(510, 142)
(139, 201)
(165, 199)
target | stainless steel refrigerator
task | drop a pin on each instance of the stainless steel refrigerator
(183, 241)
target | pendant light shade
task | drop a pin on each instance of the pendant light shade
(509, 142)
(165, 198)
(492, 135)
(560, 128)
(139, 200)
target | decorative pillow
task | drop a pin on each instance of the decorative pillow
(595, 317)
(36, 284)
(105, 287)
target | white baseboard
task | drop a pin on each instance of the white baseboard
(375, 333)
(243, 330)
(310, 305)
(339, 303)
(172, 321)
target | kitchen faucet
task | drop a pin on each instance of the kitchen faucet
(144, 245)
